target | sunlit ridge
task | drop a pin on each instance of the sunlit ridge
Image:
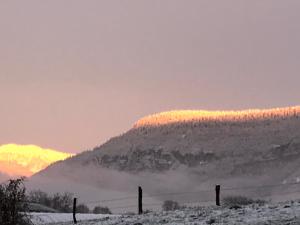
(25, 160)
(205, 116)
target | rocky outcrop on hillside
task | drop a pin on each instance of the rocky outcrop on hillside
(154, 160)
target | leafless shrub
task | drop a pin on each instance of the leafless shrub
(170, 205)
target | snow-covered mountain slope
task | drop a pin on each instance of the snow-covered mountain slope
(198, 140)
(194, 150)
(25, 160)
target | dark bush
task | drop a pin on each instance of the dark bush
(237, 201)
(13, 207)
(101, 210)
(170, 205)
(82, 208)
(40, 197)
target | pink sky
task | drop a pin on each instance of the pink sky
(75, 73)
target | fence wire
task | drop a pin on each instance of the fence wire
(202, 193)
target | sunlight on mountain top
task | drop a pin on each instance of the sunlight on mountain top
(25, 160)
(204, 116)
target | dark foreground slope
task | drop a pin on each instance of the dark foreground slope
(235, 149)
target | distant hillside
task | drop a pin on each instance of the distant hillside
(25, 160)
(3, 177)
(193, 138)
(195, 149)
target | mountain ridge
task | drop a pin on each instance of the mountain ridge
(183, 116)
(209, 126)
(25, 160)
(193, 154)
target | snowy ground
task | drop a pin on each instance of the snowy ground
(58, 218)
(270, 214)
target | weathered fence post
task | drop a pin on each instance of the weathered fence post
(140, 209)
(218, 190)
(74, 210)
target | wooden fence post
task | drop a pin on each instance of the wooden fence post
(218, 190)
(74, 211)
(140, 201)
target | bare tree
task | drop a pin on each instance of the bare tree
(13, 207)
(101, 210)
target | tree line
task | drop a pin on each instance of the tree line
(63, 202)
(15, 204)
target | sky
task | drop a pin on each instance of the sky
(75, 73)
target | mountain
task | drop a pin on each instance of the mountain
(193, 150)
(3, 177)
(25, 160)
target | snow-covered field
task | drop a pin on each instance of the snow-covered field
(270, 214)
(50, 218)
